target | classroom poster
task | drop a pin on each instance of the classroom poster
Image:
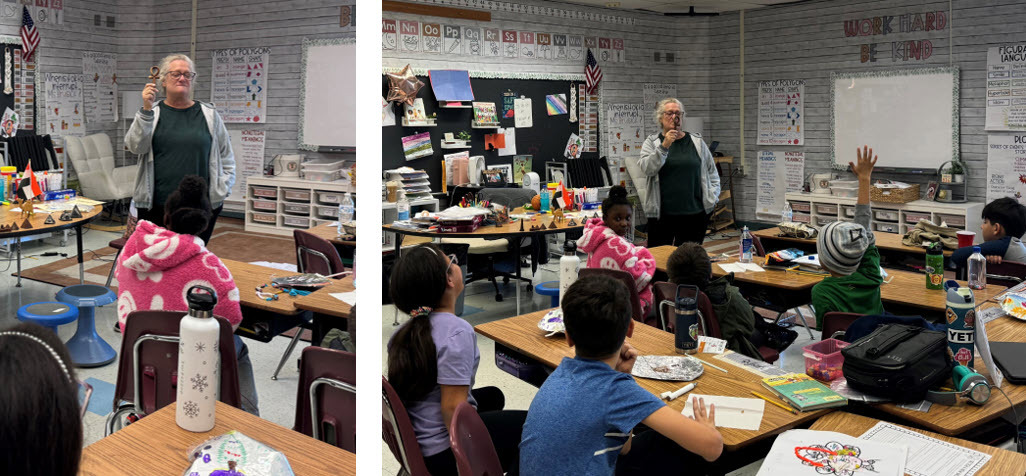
(575, 50)
(389, 34)
(1006, 87)
(778, 172)
(527, 45)
(780, 112)
(544, 41)
(1006, 166)
(510, 48)
(522, 112)
(409, 35)
(99, 91)
(560, 46)
(652, 93)
(239, 84)
(432, 37)
(472, 42)
(492, 42)
(248, 147)
(63, 96)
(624, 128)
(452, 39)
(509, 137)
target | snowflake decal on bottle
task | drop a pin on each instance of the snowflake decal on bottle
(200, 347)
(199, 382)
(191, 409)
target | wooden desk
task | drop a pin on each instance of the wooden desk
(7, 217)
(248, 277)
(957, 419)
(323, 302)
(884, 241)
(906, 288)
(1001, 462)
(158, 444)
(522, 334)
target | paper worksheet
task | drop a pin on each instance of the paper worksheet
(756, 366)
(522, 115)
(816, 453)
(928, 456)
(739, 267)
(731, 412)
(348, 298)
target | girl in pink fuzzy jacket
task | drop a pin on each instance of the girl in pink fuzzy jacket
(607, 246)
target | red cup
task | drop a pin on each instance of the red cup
(965, 238)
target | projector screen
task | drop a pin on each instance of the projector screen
(328, 89)
(909, 117)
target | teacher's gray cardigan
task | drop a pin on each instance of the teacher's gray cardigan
(221, 163)
(644, 172)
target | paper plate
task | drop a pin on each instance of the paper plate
(552, 321)
(1014, 305)
(668, 367)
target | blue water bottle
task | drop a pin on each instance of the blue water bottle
(961, 320)
(686, 320)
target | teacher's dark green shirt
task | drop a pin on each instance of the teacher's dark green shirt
(181, 146)
(680, 179)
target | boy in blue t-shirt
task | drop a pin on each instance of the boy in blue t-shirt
(582, 419)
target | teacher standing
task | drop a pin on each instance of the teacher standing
(177, 137)
(683, 183)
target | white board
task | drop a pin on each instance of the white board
(909, 117)
(327, 107)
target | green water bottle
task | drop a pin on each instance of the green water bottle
(934, 267)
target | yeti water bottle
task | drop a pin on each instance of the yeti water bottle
(686, 320)
(199, 362)
(961, 320)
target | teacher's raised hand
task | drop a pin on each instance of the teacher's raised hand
(670, 137)
(149, 95)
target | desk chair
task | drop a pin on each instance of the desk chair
(397, 432)
(472, 445)
(1008, 273)
(628, 280)
(328, 415)
(148, 366)
(313, 255)
(835, 323)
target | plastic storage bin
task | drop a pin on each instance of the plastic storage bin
(849, 212)
(801, 207)
(267, 205)
(318, 176)
(845, 192)
(952, 220)
(802, 218)
(297, 195)
(823, 359)
(889, 215)
(824, 221)
(265, 192)
(299, 222)
(327, 211)
(913, 217)
(330, 197)
(265, 218)
(826, 209)
(887, 227)
(297, 208)
(323, 165)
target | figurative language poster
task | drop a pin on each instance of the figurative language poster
(239, 84)
(778, 172)
(1006, 88)
(1006, 166)
(100, 87)
(780, 112)
(624, 128)
(63, 96)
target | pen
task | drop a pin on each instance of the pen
(781, 405)
(721, 369)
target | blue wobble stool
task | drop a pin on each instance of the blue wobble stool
(549, 288)
(86, 347)
(48, 314)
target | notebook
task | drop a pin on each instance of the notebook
(804, 393)
(1008, 356)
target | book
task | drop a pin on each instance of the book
(484, 114)
(803, 392)
(415, 112)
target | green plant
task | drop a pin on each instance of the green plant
(463, 135)
(957, 168)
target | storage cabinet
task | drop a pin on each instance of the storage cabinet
(279, 205)
(886, 217)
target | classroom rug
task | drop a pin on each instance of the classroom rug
(229, 241)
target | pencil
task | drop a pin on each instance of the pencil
(781, 405)
(721, 369)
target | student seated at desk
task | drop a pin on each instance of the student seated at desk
(690, 264)
(605, 241)
(1004, 223)
(582, 419)
(433, 358)
(848, 251)
(40, 419)
(158, 265)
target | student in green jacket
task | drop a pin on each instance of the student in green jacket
(690, 264)
(847, 250)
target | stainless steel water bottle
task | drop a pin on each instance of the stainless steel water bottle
(961, 320)
(199, 362)
(686, 320)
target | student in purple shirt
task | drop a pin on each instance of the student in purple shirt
(433, 357)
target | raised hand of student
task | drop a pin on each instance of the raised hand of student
(628, 355)
(863, 169)
(704, 416)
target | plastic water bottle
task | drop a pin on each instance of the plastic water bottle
(544, 201)
(685, 313)
(569, 264)
(746, 246)
(345, 212)
(977, 269)
(199, 362)
(402, 207)
(787, 215)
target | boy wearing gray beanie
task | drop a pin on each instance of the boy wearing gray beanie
(848, 251)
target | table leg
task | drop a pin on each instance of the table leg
(516, 264)
(17, 247)
(81, 265)
(398, 249)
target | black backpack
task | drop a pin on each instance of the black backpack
(898, 362)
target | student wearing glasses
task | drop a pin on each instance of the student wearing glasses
(178, 136)
(40, 411)
(433, 358)
(682, 185)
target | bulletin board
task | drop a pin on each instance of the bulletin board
(327, 102)
(21, 77)
(909, 116)
(545, 140)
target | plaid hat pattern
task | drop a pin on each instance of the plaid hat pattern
(841, 245)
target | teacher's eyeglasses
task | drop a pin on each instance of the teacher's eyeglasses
(178, 74)
(673, 113)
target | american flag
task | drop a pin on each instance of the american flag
(29, 35)
(592, 73)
